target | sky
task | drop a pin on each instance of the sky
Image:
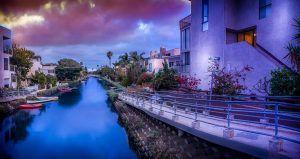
(86, 29)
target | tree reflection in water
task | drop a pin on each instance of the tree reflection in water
(70, 98)
(14, 128)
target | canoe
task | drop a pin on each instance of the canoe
(42, 100)
(64, 90)
(30, 106)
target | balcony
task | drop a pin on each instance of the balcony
(12, 68)
(185, 22)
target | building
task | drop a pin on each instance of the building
(173, 58)
(156, 59)
(36, 65)
(238, 33)
(7, 71)
(49, 69)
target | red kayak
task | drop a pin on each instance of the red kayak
(30, 106)
(65, 90)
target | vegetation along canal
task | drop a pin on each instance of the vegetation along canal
(81, 124)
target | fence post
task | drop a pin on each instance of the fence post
(275, 144)
(276, 121)
(228, 132)
(175, 116)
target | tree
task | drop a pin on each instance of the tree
(135, 68)
(39, 78)
(21, 58)
(68, 69)
(107, 72)
(284, 83)
(294, 48)
(51, 80)
(109, 54)
(165, 78)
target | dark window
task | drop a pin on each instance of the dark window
(171, 64)
(187, 58)
(204, 15)
(185, 39)
(13, 78)
(264, 8)
(5, 63)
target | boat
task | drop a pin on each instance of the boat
(42, 100)
(64, 89)
(30, 106)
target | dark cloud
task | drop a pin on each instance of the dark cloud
(88, 21)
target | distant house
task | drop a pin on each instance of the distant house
(156, 59)
(49, 68)
(7, 71)
(36, 65)
(237, 33)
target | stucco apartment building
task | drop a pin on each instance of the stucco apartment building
(49, 68)
(7, 71)
(156, 59)
(237, 33)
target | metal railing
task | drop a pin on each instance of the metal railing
(271, 118)
(13, 93)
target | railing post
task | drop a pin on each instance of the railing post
(228, 132)
(175, 116)
(276, 144)
(276, 121)
(228, 115)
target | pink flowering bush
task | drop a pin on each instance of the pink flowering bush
(145, 78)
(188, 82)
(230, 82)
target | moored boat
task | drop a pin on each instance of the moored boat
(42, 100)
(64, 89)
(30, 106)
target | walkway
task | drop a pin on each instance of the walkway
(250, 137)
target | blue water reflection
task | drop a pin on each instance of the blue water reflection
(80, 125)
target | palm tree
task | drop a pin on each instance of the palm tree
(109, 54)
(294, 49)
(124, 60)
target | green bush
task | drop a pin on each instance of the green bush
(284, 83)
(165, 78)
(126, 82)
(112, 96)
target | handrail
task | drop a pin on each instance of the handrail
(226, 109)
(220, 101)
(273, 57)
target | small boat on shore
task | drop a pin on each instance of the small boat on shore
(64, 89)
(30, 106)
(42, 100)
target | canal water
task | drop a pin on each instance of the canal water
(82, 124)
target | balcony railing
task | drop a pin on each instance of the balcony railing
(185, 22)
(6, 49)
(12, 68)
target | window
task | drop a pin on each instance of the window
(5, 63)
(264, 8)
(150, 66)
(13, 78)
(187, 58)
(171, 64)
(185, 39)
(204, 15)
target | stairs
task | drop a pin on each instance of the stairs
(270, 56)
